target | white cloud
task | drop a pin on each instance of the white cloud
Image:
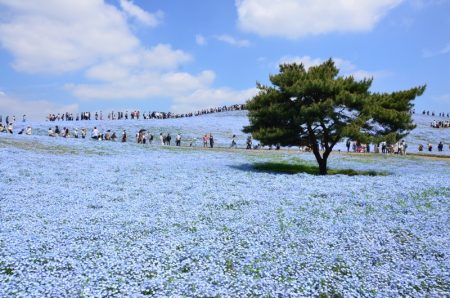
(159, 58)
(203, 98)
(36, 109)
(240, 43)
(57, 36)
(141, 15)
(94, 37)
(162, 56)
(200, 40)
(108, 71)
(307, 61)
(346, 67)
(298, 18)
(144, 85)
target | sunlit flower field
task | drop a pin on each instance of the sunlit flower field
(93, 218)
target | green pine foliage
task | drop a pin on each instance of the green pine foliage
(310, 107)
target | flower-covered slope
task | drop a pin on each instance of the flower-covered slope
(94, 219)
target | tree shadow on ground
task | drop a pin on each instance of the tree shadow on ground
(286, 168)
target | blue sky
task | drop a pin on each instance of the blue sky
(178, 55)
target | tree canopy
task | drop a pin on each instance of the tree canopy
(315, 107)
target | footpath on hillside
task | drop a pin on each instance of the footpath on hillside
(296, 151)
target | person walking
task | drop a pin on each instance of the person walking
(178, 140)
(124, 136)
(233, 142)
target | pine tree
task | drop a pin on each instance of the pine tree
(317, 108)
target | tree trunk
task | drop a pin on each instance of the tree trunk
(321, 160)
(322, 166)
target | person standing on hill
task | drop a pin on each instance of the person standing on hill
(10, 128)
(383, 147)
(178, 140)
(249, 142)
(205, 141)
(211, 140)
(347, 144)
(95, 133)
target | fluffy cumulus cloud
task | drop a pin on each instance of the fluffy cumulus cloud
(141, 15)
(144, 85)
(211, 97)
(56, 36)
(298, 18)
(94, 38)
(346, 67)
(37, 109)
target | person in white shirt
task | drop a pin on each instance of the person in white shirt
(28, 131)
(95, 133)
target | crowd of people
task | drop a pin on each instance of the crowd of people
(440, 124)
(386, 148)
(144, 137)
(138, 115)
(440, 147)
(442, 114)
(7, 128)
(208, 141)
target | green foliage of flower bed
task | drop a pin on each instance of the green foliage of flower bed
(288, 168)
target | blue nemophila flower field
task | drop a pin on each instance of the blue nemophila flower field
(94, 219)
